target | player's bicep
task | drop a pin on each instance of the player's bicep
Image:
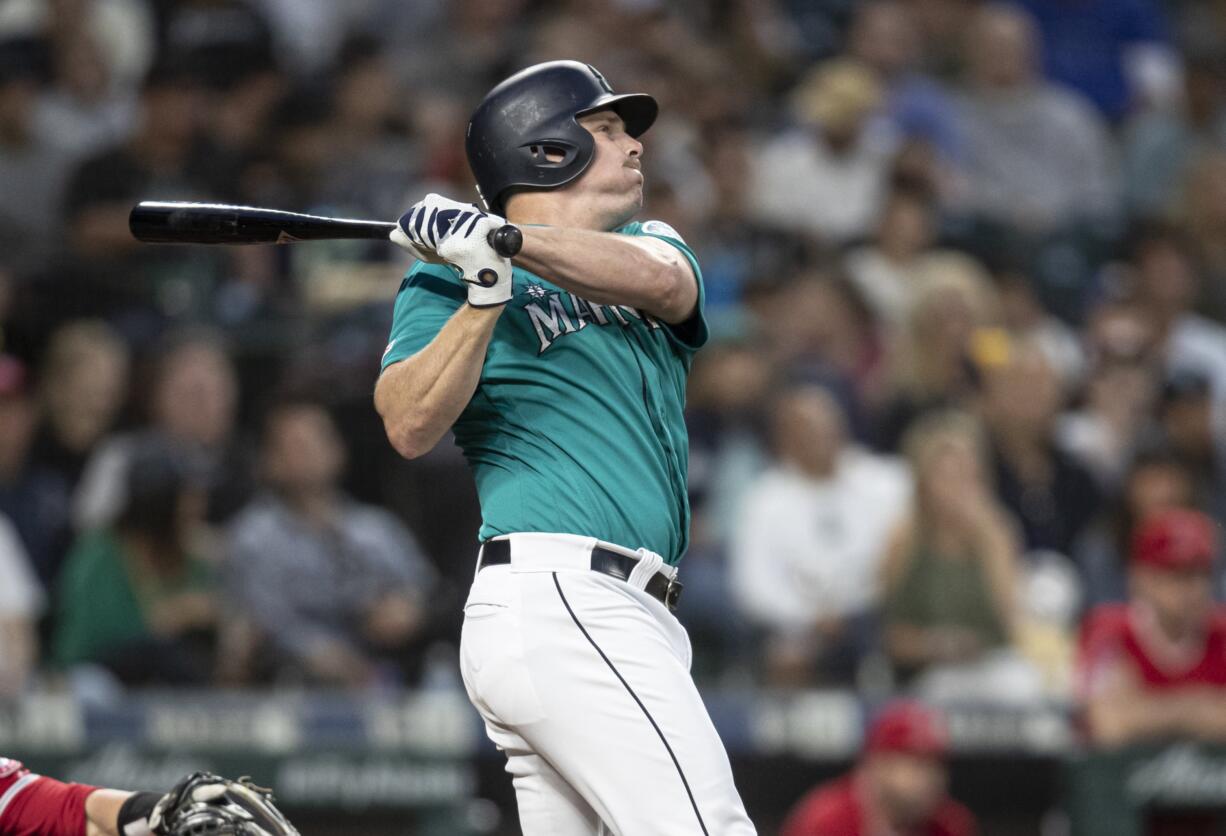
(689, 332)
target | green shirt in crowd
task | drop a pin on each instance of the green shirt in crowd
(939, 591)
(576, 425)
(102, 605)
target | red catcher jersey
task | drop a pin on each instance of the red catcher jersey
(31, 805)
(839, 809)
(1115, 633)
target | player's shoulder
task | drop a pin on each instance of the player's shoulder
(655, 229)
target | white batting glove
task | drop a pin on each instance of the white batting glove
(421, 229)
(439, 230)
(467, 247)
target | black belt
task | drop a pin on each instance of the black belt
(606, 561)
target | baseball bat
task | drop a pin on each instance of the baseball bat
(157, 222)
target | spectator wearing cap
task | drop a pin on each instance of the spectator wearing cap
(828, 177)
(899, 787)
(805, 556)
(133, 598)
(1155, 667)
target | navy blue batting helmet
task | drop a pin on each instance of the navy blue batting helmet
(525, 133)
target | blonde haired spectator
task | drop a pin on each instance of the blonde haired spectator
(952, 303)
(951, 573)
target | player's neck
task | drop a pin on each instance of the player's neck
(552, 209)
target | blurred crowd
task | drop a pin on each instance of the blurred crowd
(965, 402)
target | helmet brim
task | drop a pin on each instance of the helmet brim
(638, 111)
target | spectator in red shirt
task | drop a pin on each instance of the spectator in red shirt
(1155, 667)
(898, 789)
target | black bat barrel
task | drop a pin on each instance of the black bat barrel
(216, 223)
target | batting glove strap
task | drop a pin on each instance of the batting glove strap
(487, 274)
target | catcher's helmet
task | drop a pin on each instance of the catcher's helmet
(534, 112)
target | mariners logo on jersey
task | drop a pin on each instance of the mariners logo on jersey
(555, 313)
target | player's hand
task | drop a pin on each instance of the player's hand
(428, 221)
(439, 230)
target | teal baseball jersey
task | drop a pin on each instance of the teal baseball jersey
(576, 425)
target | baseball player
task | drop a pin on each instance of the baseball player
(564, 380)
(35, 805)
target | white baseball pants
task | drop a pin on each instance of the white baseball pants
(583, 681)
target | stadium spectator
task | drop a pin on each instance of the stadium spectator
(1157, 481)
(192, 400)
(1160, 143)
(951, 573)
(1189, 424)
(1203, 211)
(32, 498)
(21, 604)
(884, 35)
(161, 160)
(1167, 285)
(898, 787)
(85, 107)
(952, 305)
(82, 385)
(805, 556)
(827, 176)
(1048, 492)
(1113, 52)
(1038, 157)
(1117, 398)
(133, 598)
(33, 164)
(884, 272)
(1155, 667)
(332, 586)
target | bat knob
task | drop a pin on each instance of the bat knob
(507, 240)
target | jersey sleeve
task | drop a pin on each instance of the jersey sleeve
(32, 805)
(692, 334)
(428, 296)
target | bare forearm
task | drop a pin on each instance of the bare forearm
(420, 397)
(1122, 718)
(613, 269)
(102, 812)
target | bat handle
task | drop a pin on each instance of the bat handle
(507, 240)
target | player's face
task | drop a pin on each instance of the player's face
(615, 176)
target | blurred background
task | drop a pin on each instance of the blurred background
(966, 274)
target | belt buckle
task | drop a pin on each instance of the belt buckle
(672, 593)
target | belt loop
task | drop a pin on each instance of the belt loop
(645, 569)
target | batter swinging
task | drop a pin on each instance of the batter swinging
(564, 379)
